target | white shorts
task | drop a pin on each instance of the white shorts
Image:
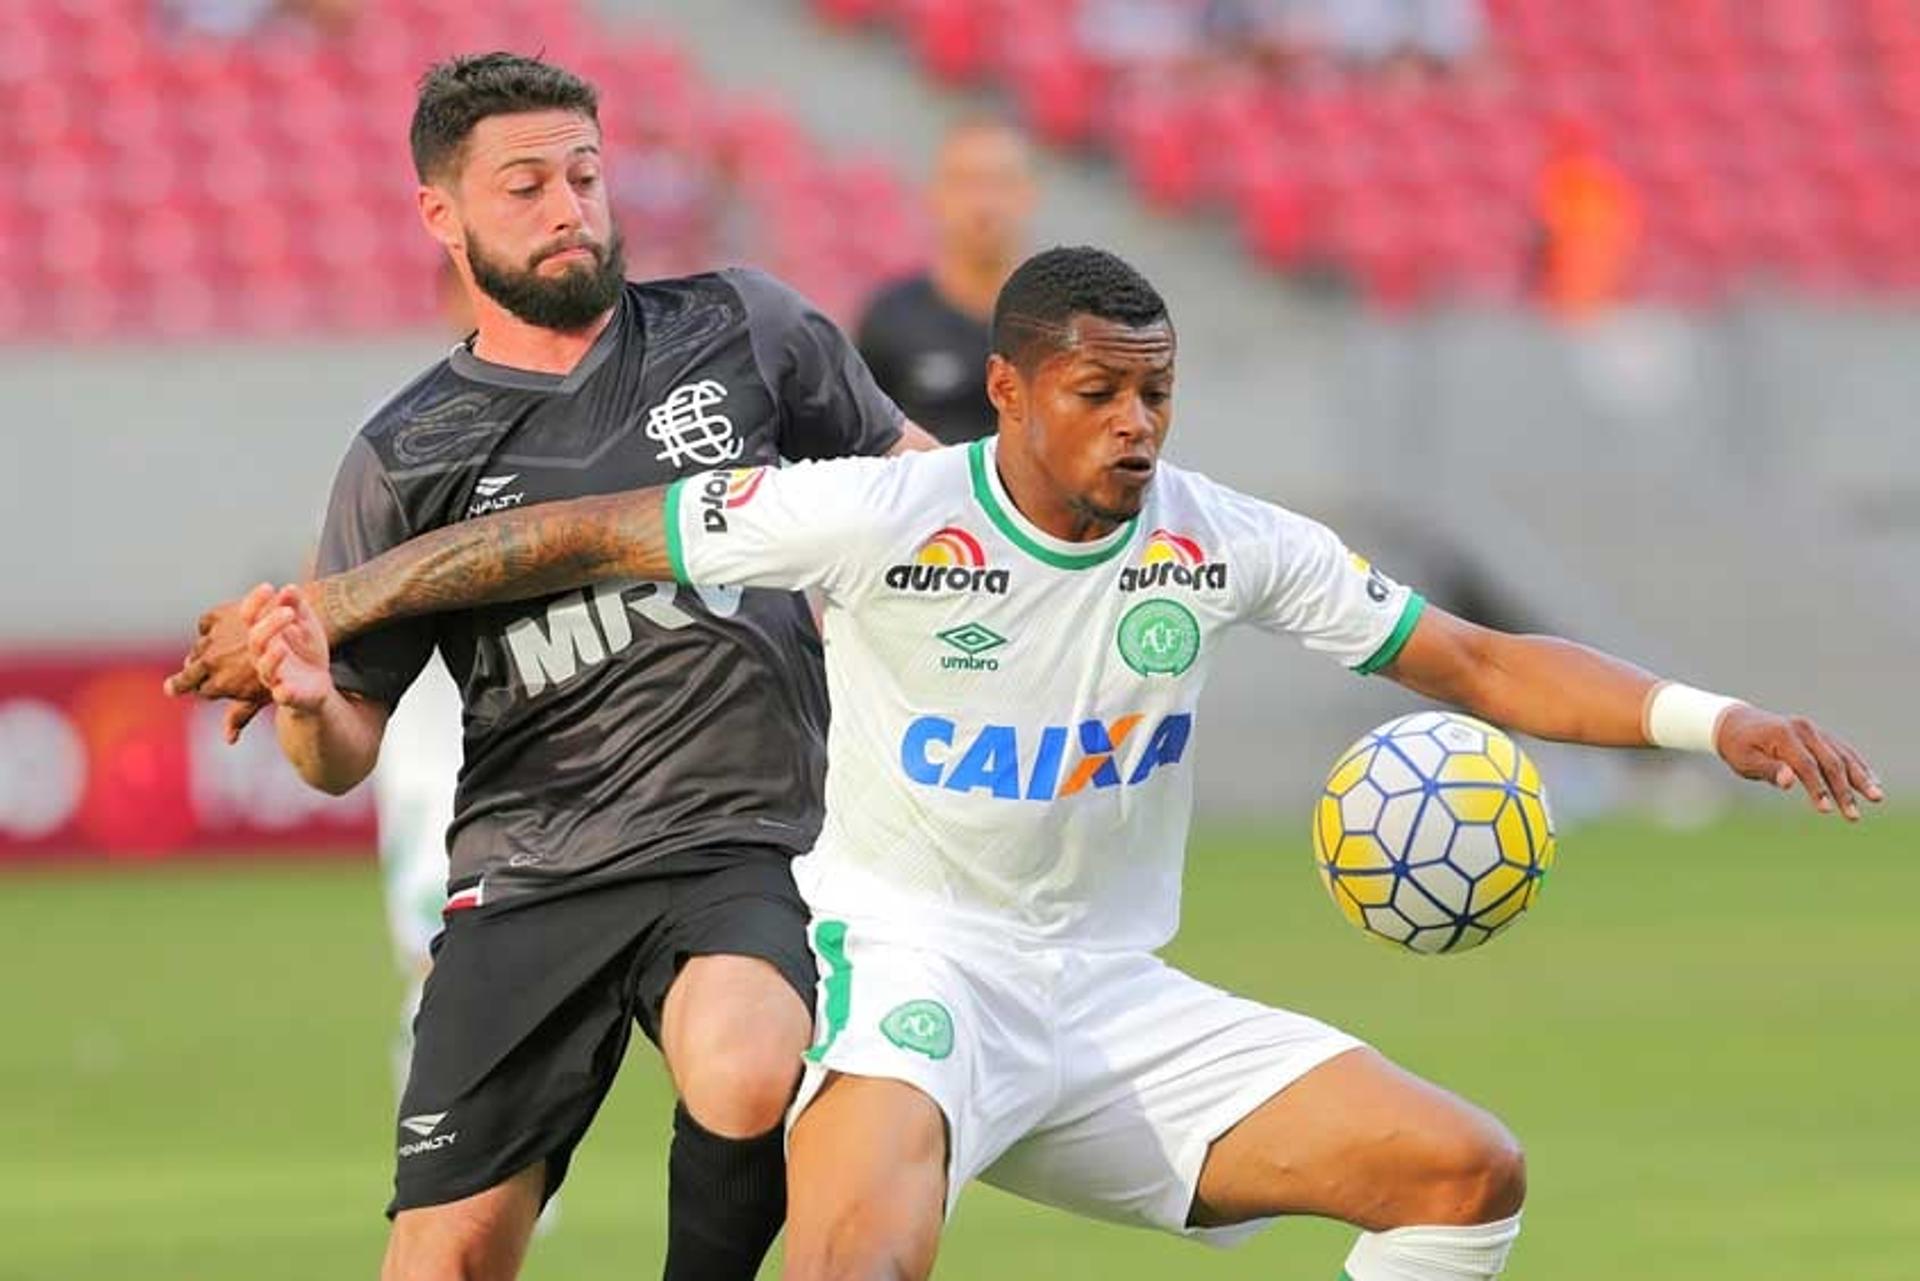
(1091, 1081)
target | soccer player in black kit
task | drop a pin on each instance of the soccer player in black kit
(641, 761)
(925, 337)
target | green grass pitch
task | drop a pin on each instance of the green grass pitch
(1710, 1043)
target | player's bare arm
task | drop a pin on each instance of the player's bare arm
(508, 556)
(1554, 688)
(480, 561)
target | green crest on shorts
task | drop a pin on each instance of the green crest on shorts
(1159, 638)
(924, 1027)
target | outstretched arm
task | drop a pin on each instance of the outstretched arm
(1553, 688)
(512, 555)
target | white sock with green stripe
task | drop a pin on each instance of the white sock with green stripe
(1473, 1253)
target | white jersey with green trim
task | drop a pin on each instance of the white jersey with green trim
(1013, 715)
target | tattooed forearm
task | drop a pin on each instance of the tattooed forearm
(508, 556)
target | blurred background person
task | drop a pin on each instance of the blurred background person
(925, 337)
(1589, 222)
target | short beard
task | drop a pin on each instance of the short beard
(567, 303)
(1106, 515)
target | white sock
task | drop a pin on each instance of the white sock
(1473, 1253)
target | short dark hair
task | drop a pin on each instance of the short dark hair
(459, 93)
(1037, 305)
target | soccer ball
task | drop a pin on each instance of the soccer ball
(1433, 832)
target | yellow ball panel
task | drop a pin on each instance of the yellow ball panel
(1496, 885)
(1537, 822)
(1474, 804)
(1350, 771)
(1326, 828)
(1359, 852)
(1516, 842)
(1504, 755)
(1477, 768)
(1528, 777)
(1369, 891)
(1504, 913)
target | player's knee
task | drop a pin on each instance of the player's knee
(1483, 1177)
(742, 1091)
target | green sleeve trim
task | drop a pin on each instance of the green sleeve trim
(1390, 648)
(830, 943)
(676, 550)
(989, 503)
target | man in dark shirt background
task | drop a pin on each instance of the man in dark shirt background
(641, 761)
(925, 338)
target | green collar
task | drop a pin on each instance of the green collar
(1016, 529)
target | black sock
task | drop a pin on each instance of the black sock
(726, 1200)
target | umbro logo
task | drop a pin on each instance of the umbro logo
(973, 640)
(424, 1124)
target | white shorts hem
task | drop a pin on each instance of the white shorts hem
(1193, 1157)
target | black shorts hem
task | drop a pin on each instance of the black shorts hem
(558, 1161)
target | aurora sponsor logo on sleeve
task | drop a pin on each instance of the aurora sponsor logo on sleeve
(949, 560)
(722, 491)
(1174, 560)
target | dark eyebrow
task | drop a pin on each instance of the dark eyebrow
(585, 148)
(1125, 371)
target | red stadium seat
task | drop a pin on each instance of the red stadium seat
(277, 166)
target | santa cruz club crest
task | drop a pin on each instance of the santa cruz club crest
(688, 431)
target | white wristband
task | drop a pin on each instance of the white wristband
(1684, 718)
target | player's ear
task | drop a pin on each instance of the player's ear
(438, 215)
(1005, 388)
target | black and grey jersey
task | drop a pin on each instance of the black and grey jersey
(606, 729)
(932, 358)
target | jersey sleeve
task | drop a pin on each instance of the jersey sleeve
(1304, 582)
(364, 518)
(811, 525)
(829, 404)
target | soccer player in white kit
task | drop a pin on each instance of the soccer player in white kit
(1016, 634)
(413, 788)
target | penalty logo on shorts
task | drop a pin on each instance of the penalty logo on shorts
(924, 1027)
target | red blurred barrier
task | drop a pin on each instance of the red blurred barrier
(96, 763)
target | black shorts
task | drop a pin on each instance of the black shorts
(528, 1009)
